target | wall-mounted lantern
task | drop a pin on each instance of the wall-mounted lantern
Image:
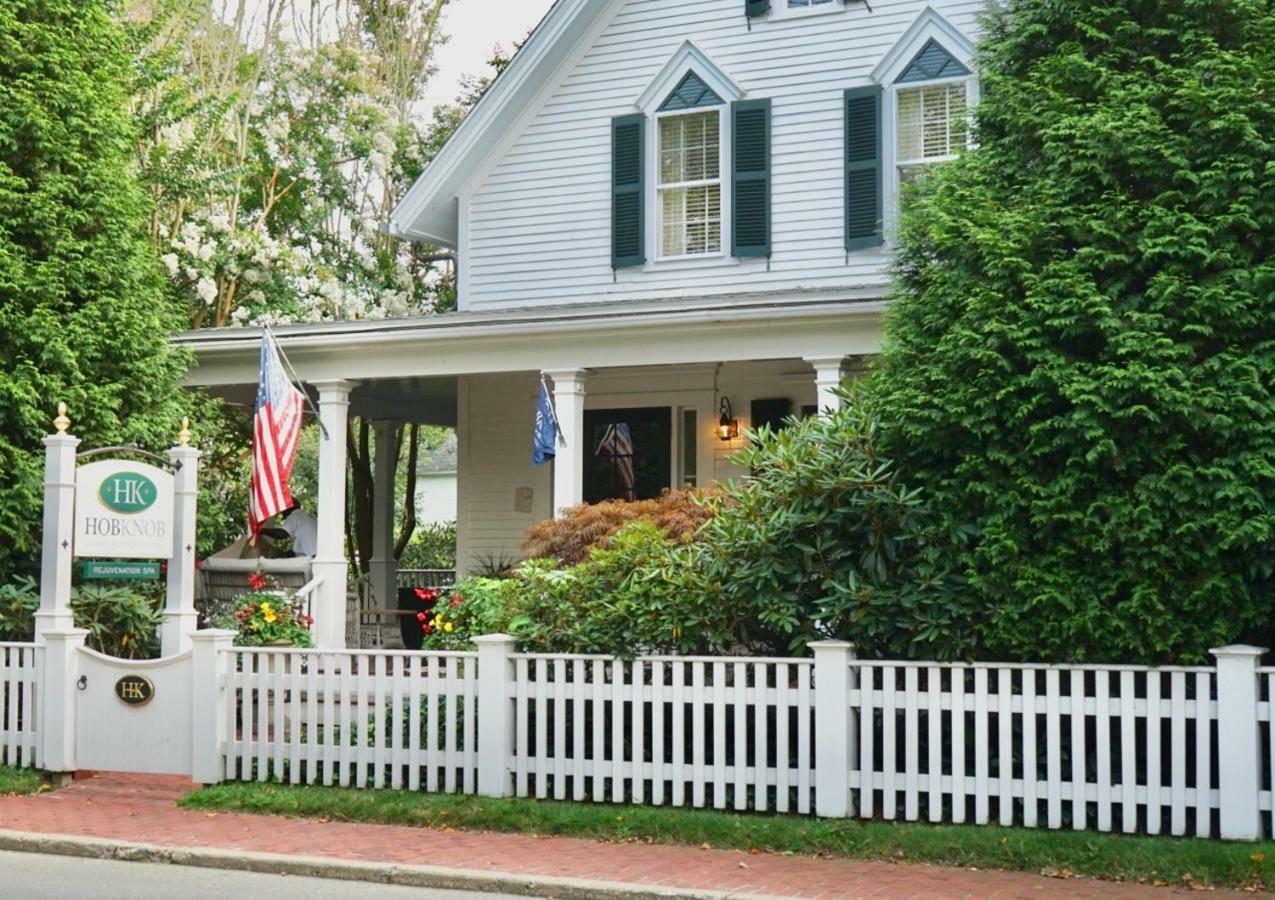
(727, 425)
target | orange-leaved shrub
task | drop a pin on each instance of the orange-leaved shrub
(679, 514)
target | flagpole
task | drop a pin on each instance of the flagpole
(296, 379)
(553, 411)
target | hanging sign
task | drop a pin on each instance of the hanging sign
(124, 509)
(119, 570)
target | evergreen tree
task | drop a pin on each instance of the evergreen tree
(82, 317)
(1081, 348)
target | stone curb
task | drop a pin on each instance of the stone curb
(345, 870)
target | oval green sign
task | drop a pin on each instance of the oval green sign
(127, 492)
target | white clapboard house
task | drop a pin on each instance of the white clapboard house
(675, 213)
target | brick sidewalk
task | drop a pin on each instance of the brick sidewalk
(143, 809)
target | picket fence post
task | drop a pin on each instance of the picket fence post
(834, 728)
(59, 672)
(1239, 748)
(210, 659)
(495, 714)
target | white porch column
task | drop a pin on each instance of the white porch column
(382, 566)
(830, 371)
(330, 561)
(59, 529)
(180, 618)
(568, 465)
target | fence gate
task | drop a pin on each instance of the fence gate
(133, 715)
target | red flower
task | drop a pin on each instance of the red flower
(455, 599)
(420, 617)
(309, 620)
(427, 628)
(257, 581)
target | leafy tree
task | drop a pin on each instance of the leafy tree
(1081, 347)
(82, 315)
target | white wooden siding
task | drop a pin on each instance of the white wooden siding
(544, 207)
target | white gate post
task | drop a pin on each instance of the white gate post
(58, 676)
(1239, 750)
(210, 660)
(834, 728)
(495, 714)
(59, 529)
(180, 618)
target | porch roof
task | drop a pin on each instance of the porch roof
(596, 335)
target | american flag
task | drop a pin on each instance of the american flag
(617, 444)
(276, 426)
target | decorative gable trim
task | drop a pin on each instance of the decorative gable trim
(690, 93)
(929, 27)
(931, 63)
(688, 59)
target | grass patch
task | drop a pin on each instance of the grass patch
(1176, 861)
(20, 781)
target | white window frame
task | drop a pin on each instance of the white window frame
(688, 58)
(655, 221)
(929, 25)
(779, 9)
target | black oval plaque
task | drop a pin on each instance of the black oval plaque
(135, 690)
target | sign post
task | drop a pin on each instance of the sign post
(59, 511)
(180, 618)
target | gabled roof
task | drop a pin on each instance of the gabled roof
(429, 210)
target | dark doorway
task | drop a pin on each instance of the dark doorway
(627, 453)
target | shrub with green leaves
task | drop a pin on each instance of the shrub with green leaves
(121, 621)
(82, 316)
(1080, 353)
(19, 600)
(826, 539)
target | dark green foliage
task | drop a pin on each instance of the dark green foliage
(121, 621)
(81, 316)
(431, 547)
(825, 540)
(1081, 348)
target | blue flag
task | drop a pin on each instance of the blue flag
(544, 444)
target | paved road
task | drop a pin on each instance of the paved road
(32, 876)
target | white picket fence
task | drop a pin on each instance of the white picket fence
(1108, 748)
(366, 719)
(19, 740)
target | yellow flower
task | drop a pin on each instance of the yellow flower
(447, 627)
(265, 607)
(271, 617)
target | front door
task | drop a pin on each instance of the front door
(627, 453)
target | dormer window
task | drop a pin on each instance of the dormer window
(689, 152)
(931, 102)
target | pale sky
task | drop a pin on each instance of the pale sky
(473, 28)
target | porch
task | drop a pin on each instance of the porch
(661, 375)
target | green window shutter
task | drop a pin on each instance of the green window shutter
(628, 222)
(863, 167)
(750, 178)
(755, 8)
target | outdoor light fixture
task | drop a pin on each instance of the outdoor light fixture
(727, 425)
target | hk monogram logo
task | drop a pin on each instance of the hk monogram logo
(127, 492)
(135, 690)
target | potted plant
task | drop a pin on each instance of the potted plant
(268, 617)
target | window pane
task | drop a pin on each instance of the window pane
(690, 446)
(932, 122)
(690, 147)
(692, 220)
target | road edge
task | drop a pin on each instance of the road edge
(438, 877)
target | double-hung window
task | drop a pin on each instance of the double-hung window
(690, 183)
(932, 125)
